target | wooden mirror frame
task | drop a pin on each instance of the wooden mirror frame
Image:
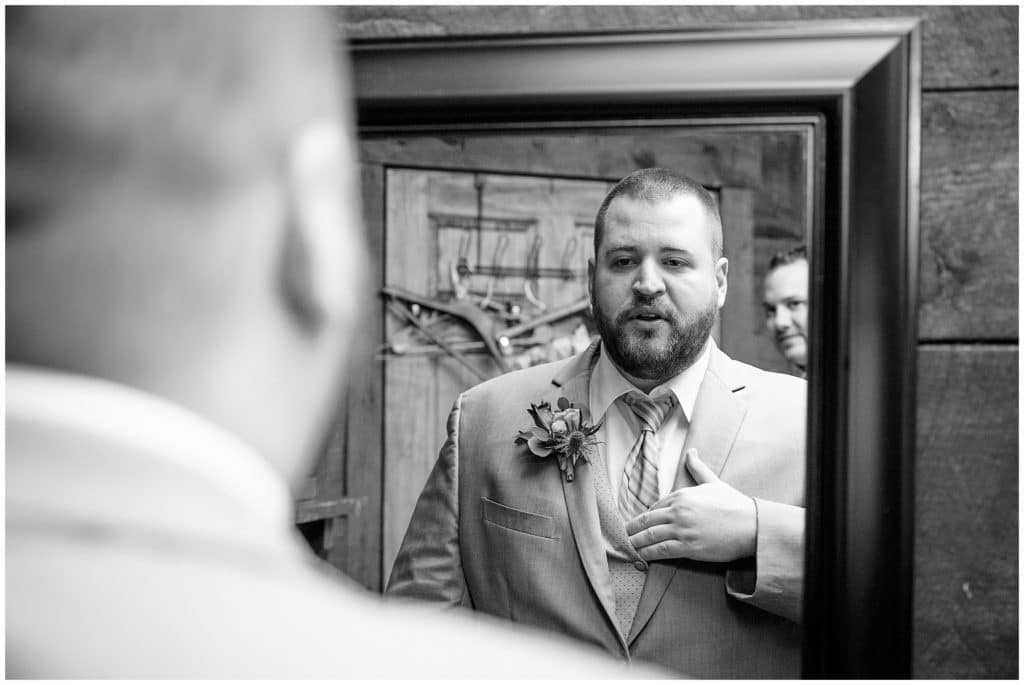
(861, 80)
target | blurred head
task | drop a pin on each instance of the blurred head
(658, 277)
(182, 211)
(785, 304)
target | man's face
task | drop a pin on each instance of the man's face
(785, 306)
(656, 286)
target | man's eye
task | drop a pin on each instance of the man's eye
(769, 311)
(674, 262)
(621, 261)
(793, 305)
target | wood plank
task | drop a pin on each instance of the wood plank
(738, 335)
(364, 456)
(963, 46)
(966, 554)
(969, 216)
(713, 156)
(410, 411)
(327, 509)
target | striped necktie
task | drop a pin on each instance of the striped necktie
(639, 488)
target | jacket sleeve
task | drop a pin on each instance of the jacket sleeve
(775, 581)
(429, 564)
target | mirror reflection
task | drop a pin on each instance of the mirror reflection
(491, 268)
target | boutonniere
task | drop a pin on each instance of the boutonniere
(561, 433)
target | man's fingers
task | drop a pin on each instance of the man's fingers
(652, 536)
(698, 469)
(666, 549)
(651, 517)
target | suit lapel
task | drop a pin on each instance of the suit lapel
(717, 417)
(580, 499)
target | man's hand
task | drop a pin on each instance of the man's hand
(711, 521)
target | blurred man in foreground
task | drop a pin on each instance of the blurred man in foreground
(183, 269)
(785, 305)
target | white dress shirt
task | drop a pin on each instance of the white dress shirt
(621, 426)
(99, 416)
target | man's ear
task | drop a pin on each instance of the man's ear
(722, 279)
(591, 274)
(318, 262)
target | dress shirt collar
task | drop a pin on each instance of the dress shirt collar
(151, 426)
(607, 384)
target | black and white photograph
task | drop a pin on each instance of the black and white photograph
(560, 342)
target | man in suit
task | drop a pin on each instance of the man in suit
(679, 537)
(785, 305)
(183, 263)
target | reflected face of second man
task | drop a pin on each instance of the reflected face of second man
(656, 286)
(785, 307)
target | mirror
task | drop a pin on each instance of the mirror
(847, 92)
(504, 221)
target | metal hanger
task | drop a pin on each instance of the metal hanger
(499, 254)
(567, 254)
(533, 272)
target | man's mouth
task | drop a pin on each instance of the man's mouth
(647, 314)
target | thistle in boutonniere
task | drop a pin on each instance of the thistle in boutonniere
(561, 433)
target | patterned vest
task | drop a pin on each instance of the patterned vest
(627, 569)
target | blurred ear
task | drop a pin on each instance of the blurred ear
(317, 271)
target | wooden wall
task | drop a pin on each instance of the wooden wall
(965, 615)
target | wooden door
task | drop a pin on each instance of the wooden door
(503, 228)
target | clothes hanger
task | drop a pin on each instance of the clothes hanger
(567, 254)
(533, 273)
(499, 255)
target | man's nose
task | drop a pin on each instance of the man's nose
(649, 282)
(783, 319)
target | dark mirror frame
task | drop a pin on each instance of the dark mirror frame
(862, 81)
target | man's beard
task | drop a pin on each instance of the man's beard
(636, 355)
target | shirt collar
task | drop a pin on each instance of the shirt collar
(607, 384)
(148, 425)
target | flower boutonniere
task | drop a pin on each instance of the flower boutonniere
(561, 433)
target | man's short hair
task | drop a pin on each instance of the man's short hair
(796, 254)
(657, 185)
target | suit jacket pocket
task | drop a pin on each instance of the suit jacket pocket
(516, 519)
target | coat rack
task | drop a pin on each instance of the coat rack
(509, 287)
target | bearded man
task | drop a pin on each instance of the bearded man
(655, 507)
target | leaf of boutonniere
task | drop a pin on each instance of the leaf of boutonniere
(537, 448)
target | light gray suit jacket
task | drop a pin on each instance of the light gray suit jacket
(501, 531)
